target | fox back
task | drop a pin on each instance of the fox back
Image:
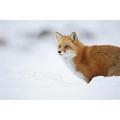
(89, 61)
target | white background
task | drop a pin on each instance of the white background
(54, 9)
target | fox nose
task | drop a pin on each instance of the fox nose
(59, 52)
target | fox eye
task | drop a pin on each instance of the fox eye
(59, 46)
(67, 46)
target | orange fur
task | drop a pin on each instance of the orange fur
(92, 60)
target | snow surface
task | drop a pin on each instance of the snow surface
(32, 69)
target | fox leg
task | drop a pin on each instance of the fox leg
(87, 73)
(115, 70)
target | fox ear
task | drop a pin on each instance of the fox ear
(58, 35)
(73, 36)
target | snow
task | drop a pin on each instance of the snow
(32, 69)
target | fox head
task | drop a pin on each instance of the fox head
(67, 43)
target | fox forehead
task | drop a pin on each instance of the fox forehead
(64, 40)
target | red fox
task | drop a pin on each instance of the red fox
(90, 61)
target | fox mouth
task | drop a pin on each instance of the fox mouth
(67, 54)
(60, 53)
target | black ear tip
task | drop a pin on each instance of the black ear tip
(74, 33)
(58, 35)
(74, 36)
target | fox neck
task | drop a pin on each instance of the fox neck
(77, 50)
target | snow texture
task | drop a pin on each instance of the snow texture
(32, 69)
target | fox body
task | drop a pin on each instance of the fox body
(89, 61)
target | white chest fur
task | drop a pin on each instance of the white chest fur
(68, 58)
